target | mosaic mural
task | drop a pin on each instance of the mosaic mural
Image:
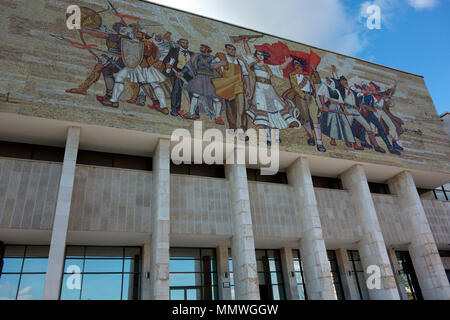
(145, 67)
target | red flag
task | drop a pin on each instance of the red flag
(279, 52)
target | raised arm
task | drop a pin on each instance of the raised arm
(247, 49)
(286, 63)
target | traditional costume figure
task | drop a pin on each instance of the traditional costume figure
(368, 112)
(267, 108)
(140, 93)
(302, 94)
(230, 86)
(202, 69)
(163, 43)
(334, 121)
(357, 121)
(108, 64)
(382, 116)
(175, 61)
(146, 73)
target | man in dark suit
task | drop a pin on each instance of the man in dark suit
(175, 61)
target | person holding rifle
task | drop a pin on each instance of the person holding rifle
(334, 120)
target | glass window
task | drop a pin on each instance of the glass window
(103, 265)
(101, 287)
(31, 287)
(271, 285)
(358, 274)
(335, 274)
(12, 265)
(14, 251)
(230, 266)
(9, 283)
(38, 265)
(298, 266)
(105, 273)
(408, 276)
(440, 195)
(193, 274)
(22, 276)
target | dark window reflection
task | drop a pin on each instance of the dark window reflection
(408, 276)
(335, 274)
(271, 285)
(106, 273)
(193, 274)
(298, 266)
(358, 274)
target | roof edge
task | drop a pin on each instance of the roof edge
(271, 35)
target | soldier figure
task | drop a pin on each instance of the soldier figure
(107, 64)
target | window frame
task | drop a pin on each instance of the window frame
(214, 287)
(136, 274)
(338, 279)
(23, 257)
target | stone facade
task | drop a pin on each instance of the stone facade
(37, 68)
(338, 218)
(70, 204)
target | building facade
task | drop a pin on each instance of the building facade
(93, 207)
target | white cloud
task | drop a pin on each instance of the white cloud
(423, 4)
(322, 23)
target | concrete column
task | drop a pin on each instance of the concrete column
(318, 280)
(55, 267)
(159, 248)
(396, 269)
(289, 276)
(242, 245)
(372, 248)
(422, 248)
(223, 271)
(348, 282)
(145, 282)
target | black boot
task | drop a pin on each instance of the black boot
(141, 99)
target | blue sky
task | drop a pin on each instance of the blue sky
(414, 34)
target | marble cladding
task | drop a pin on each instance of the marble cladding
(119, 200)
(112, 200)
(273, 210)
(200, 206)
(438, 216)
(28, 192)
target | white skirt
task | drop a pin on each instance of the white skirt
(266, 99)
(146, 75)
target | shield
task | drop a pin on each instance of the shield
(132, 52)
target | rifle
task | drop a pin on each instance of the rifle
(117, 13)
(237, 39)
(79, 45)
(142, 25)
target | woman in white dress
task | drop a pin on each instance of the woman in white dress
(267, 108)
